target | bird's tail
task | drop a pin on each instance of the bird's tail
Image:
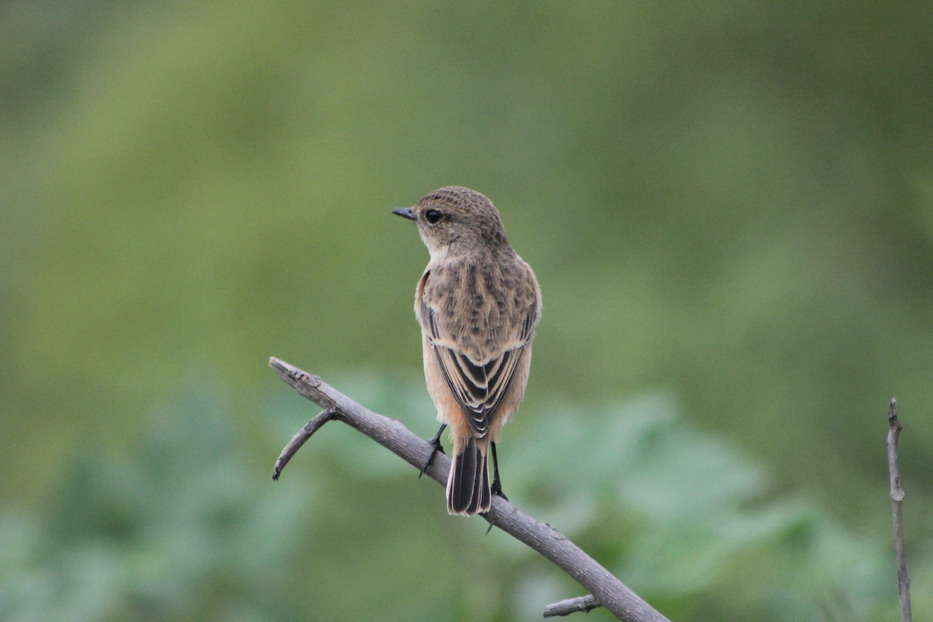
(468, 489)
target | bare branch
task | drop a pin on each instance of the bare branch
(897, 496)
(300, 438)
(390, 433)
(571, 605)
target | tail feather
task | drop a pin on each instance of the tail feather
(468, 484)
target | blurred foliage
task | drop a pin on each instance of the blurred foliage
(183, 527)
(730, 202)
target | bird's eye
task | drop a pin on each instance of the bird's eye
(433, 215)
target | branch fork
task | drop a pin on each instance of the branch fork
(605, 589)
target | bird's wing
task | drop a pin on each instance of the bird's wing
(478, 386)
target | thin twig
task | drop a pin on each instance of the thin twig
(390, 433)
(571, 605)
(897, 496)
(300, 438)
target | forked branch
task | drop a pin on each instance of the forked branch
(605, 588)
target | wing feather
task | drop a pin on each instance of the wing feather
(477, 386)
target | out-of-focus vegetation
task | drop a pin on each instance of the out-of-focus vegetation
(729, 208)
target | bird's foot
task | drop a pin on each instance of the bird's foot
(497, 489)
(436, 447)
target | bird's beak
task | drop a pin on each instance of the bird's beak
(404, 212)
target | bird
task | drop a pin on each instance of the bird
(478, 304)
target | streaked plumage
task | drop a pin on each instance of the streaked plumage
(478, 304)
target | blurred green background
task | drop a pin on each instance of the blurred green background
(729, 207)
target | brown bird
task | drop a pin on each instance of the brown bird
(478, 304)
